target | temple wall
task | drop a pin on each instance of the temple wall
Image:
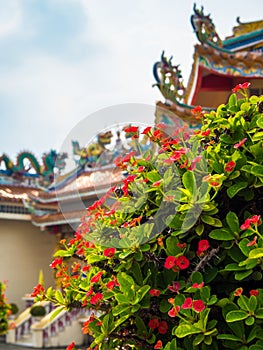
(24, 251)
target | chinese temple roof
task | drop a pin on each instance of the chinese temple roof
(218, 65)
(60, 198)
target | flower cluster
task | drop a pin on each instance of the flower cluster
(172, 257)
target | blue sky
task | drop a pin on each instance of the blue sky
(64, 60)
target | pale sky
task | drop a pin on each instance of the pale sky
(63, 60)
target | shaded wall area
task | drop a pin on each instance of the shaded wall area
(24, 251)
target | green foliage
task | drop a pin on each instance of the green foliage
(4, 310)
(172, 259)
(37, 310)
(14, 309)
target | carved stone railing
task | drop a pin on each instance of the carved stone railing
(21, 326)
(48, 332)
(60, 331)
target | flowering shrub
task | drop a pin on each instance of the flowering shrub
(4, 310)
(172, 258)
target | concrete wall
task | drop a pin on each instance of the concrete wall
(24, 251)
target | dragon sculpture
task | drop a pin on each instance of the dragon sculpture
(91, 154)
(169, 79)
(50, 161)
(97, 154)
(204, 28)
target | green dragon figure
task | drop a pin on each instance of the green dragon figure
(50, 160)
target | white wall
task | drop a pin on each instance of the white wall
(24, 251)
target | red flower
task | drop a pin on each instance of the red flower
(174, 311)
(254, 292)
(157, 183)
(170, 262)
(240, 143)
(197, 111)
(198, 305)
(163, 327)
(194, 161)
(129, 179)
(256, 220)
(198, 285)
(86, 324)
(238, 292)
(160, 241)
(109, 252)
(141, 169)
(110, 284)
(230, 166)
(206, 133)
(147, 130)
(174, 287)
(158, 345)
(182, 262)
(241, 86)
(37, 290)
(155, 292)
(181, 245)
(71, 346)
(188, 303)
(153, 323)
(203, 245)
(96, 298)
(132, 129)
(56, 262)
(96, 278)
(253, 242)
(128, 156)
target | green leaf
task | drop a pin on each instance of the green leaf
(165, 306)
(62, 253)
(188, 180)
(237, 187)
(171, 246)
(256, 347)
(197, 277)
(239, 276)
(185, 329)
(59, 297)
(120, 308)
(122, 299)
(92, 258)
(207, 219)
(250, 321)
(257, 170)
(127, 284)
(233, 267)
(260, 122)
(199, 229)
(236, 315)
(256, 253)
(233, 222)
(259, 313)
(153, 176)
(257, 136)
(121, 320)
(228, 337)
(141, 293)
(244, 248)
(141, 327)
(205, 293)
(198, 339)
(56, 312)
(222, 234)
(232, 101)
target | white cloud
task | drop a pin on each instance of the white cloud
(10, 17)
